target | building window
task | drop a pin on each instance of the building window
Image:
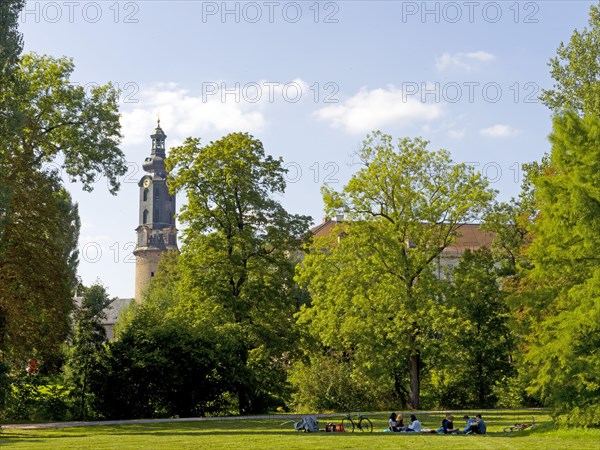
(156, 194)
(146, 195)
(155, 217)
(151, 274)
(145, 219)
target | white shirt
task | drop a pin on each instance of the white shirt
(415, 426)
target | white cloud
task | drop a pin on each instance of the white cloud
(467, 61)
(499, 131)
(188, 114)
(456, 134)
(372, 109)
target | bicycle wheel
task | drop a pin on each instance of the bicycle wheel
(348, 425)
(365, 425)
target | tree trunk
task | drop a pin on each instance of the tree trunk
(414, 401)
(401, 391)
(481, 383)
(243, 405)
(83, 388)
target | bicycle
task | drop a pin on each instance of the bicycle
(362, 423)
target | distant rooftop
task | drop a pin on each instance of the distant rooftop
(471, 236)
(112, 311)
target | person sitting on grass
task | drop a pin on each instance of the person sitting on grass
(447, 425)
(470, 427)
(415, 425)
(481, 425)
(392, 422)
(399, 422)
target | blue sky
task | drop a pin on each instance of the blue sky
(309, 79)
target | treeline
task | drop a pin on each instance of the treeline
(256, 314)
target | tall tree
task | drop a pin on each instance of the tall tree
(10, 39)
(10, 49)
(87, 342)
(38, 261)
(483, 346)
(576, 69)
(48, 117)
(237, 260)
(376, 283)
(562, 352)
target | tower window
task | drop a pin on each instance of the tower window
(156, 194)
(155, 218)
(145, 218)
(146, 194)
(151, 274)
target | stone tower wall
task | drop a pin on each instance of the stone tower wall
(146, 264)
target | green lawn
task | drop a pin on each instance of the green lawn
(269, 434)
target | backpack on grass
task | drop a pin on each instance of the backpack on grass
(308, 424)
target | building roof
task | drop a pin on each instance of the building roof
(324, 228)
(112, 311)
(470, 236)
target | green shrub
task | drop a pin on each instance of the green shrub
(37, 398)
(327, 383)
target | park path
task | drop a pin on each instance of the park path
(284, 417)
(33, 426)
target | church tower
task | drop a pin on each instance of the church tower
(156, 233)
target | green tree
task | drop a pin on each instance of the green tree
(481, 350)
(10, 49)
(11, 41)
(372, 285)
(86, 343)
(576, 69)
(49, 117)
(510, 222)
(163, 369)
(38, 260)
(61, 118)
(237, 263)
(562, 351)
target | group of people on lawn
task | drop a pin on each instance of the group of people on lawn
(472, 426)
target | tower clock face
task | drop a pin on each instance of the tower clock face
(146, 182)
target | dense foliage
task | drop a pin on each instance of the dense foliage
(563, 285)
(161, 371)
(44, 118)
(233, 281)
(373, 286)
(86, 344)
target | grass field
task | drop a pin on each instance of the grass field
(270, 434)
